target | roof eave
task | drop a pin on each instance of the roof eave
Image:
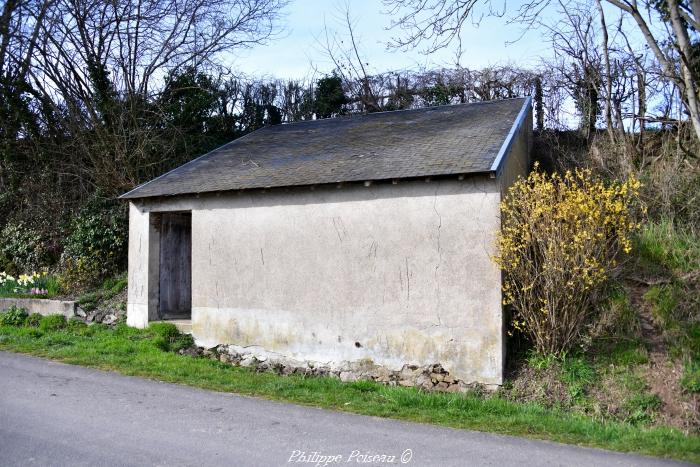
(436, 177)
(130, 194)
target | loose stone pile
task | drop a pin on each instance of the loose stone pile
(97, 316)
(427, 378)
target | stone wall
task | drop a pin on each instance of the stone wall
(427, 378)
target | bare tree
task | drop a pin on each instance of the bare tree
(574, 42)
(343, 50)
(676, 61)
(439, 22)
(88, 73)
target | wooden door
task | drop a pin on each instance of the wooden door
(175, 300)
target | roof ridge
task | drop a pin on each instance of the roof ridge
(351, 116)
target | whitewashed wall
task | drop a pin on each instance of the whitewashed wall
(394, 273)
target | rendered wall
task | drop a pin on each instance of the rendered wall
(517, 162)
(394, 273)
(143, 268)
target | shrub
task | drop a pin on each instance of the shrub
(89, 301)
(96, 246)
(671, 182)
(184, 341)
(52, 323)
(33, 333)
(7, 265)
(13, 316)
(162, 343)
(33, 320)
(167, 337)
(167, 330)
(558, 247)
(80, 273)
(76, 325)
(113, 286)
(21, 248)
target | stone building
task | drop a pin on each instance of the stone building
(356, 238)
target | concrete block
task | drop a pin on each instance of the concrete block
(42, 306)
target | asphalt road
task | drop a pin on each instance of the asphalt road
(62, 415)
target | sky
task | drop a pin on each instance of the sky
(297, 52)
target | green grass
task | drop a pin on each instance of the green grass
(674, 254)
(661, 244)
(609, 374)
(541, 362)
(622, 353)
(139, 353)
(690, 381)
(109, 289)
(690, 352)
(642, 407)
(114, 285)
(664, 300)
(579, 375)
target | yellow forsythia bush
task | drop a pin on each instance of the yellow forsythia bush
(559, 244)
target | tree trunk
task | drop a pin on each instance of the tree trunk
(685, 82)
(691, 94)
(539, 105)
(608, 79)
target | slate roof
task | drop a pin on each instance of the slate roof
(433, 141)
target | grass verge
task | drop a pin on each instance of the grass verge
(140, 353)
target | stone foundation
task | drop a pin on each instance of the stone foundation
(427, 378)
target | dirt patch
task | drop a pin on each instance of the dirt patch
(663, 374)
(631, 377)
(680, 410)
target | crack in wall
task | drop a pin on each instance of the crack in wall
(373, 249)
(339, 227)
(439, 263)
(336, 229)
(372, 254)
(408, 283)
